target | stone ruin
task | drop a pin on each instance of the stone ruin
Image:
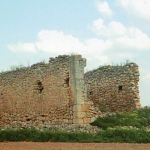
(60, 93)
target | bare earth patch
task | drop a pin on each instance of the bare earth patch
(71, 146)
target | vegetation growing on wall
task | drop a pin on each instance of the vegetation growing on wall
(107, 66)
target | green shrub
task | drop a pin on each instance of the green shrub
(119, 134)
(137, 118)
(123, 135)
(144, 116)
(43, 136)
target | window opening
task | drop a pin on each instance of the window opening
(120, 87)
(28, 119)
(39, 86)
(91, 92)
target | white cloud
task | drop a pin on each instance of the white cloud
(22, 47)
(113, 29)
(121, 43)
(117, 33)
(98, 25)
(138, 8)
(97, 45)
(95, 49)
(135, 38)
(103, 8)
(58, 42)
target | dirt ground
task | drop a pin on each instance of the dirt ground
(71, 146)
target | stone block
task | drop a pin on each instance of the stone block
(77, 57)
(85, 107)
(78, 75)
(79, 114)
(77, 108)
(93, 119)
(78, 121)
(79, 99)
(70, 121)
(87, 120)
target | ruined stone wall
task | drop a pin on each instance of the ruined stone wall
(114, 88)
(59, 93)
(43, 94)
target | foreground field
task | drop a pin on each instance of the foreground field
(71, 146)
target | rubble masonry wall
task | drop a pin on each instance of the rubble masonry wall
(60, 93)
(114, 88)
(43, 94)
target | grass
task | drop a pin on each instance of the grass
(106, 66)
(16, 67)
(21, 66)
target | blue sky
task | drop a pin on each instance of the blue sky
(103, 31)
